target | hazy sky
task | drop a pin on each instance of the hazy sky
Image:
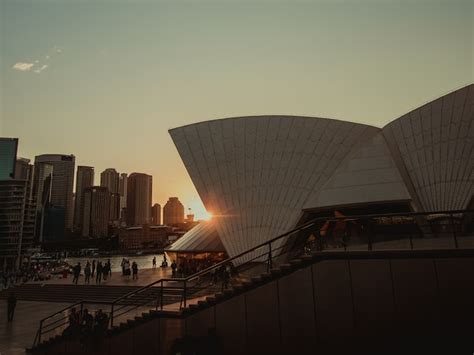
(105, 80)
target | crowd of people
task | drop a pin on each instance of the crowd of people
(101, 271)
(128, 269)
(187, 267)
(29, 272)
(85, 326)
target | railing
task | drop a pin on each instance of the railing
(395, 231)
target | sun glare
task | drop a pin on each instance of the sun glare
(207, 216)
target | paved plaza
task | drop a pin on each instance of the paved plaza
(19, 334)
(145, 277)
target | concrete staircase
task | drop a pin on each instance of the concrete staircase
(67, 293)
(373, 275)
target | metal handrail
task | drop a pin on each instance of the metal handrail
(270, 252)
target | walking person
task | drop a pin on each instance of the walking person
(126, 267)
(11, 300)
(173, 268)
(101, 323)
(74, 323)
(87, 273)
(135, 270)
(76, 272)
(109, 267)
(93, 268)
(86, 327)
(105, 271)
(225, 277)
(154, 262)
(122, 264)
(98, 277)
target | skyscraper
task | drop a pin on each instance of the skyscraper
(114, 214)
(96, 212)
(123, 197)
(42, 184)
(62, 182)
(109, 178)
(17, 222)
(24, 171)
(156, 214)
(84, 179)
(173, 212)
(17, 210)
(139, 192)
(8, 149)
(123, 190)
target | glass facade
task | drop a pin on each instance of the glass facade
(8, 148)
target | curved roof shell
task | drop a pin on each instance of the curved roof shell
(256, 174)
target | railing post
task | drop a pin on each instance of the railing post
(453, 226)
(162, 290)
(319, 241)
(369, 236)
(270, 263)
(112, 315)
(40, 332)
(184, 290)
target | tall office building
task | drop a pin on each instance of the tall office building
(62, 183)
(96, 212)
(17, 221)
(156, 214)
(22, 169)
(173, 212)
(84, 179)
(114, 214)
(109, 178)
(123, 197)
(123, 190)
(17, 210)
(8, 149)
(139, 192)
(42, 184)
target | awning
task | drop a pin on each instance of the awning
(201, 239)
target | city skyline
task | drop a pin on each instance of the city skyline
(106, 81)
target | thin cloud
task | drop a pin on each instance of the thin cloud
(38, 65)
(23, 66)
(39, 70)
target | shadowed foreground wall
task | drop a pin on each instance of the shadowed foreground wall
(334, 306)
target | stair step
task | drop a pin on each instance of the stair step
(296, 262)
(211, 299)
(275, 271)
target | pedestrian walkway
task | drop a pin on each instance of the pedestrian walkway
(17, 335)
(145, 277)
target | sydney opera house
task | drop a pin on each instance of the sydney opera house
(262, 175)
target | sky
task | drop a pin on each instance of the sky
(105, 80)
